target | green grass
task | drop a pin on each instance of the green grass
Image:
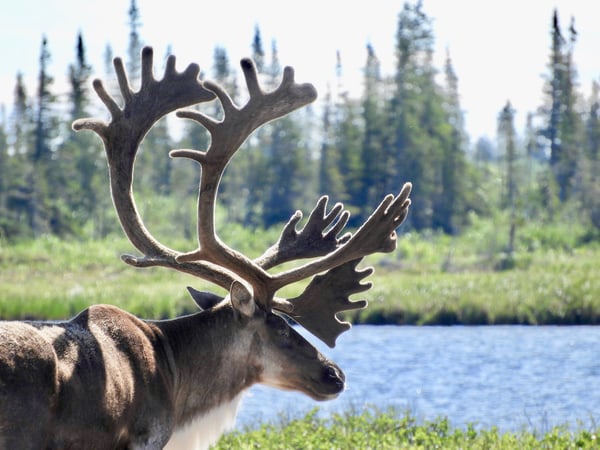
(430, 279)
(555, 287)
(53, 279)
(551, 278)
(389, 430)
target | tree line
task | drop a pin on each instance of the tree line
(407, 125)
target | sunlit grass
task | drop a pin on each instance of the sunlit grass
(390, 430)
(430, 279)
(54, 279)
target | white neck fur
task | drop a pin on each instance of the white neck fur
(205, 430)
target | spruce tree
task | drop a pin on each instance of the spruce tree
(42, 216)
(79, 75)
(4, 178)
(80, 156)
(508, 142)
(563, 123)
(288, 166)
(417, 123)
(449, 205)
(134, 48)
(258, 52)
(374, 160)
(16, 180)
(591, 168)
(331, 180)
(348, 139)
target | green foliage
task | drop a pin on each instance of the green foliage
(374, 429)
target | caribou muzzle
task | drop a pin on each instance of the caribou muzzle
(329, 385)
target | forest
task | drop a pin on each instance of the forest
(408, 125)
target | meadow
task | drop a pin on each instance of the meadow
(430, 279)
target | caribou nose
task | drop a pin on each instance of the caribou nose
(334, 375)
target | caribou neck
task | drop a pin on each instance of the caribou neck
(209, 348)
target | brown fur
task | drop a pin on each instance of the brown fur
(107, 380)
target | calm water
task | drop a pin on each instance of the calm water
(513, 377)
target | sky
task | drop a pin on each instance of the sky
(499, 48)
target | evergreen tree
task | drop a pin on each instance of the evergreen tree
(44, 120)
(593, 124)
(287, 160)
(331, 180)
(80, 156)
(79, 74)
(258, 52)
(43, 217)
(450, 207)
(108, 61)
(134, 48)
(591, 168)
(563, 129)
(374, 178)
(507, 137)
(4, 179)
(348, 138)
(18, 166)
(417, 123)
(21, 119)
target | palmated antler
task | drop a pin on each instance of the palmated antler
(334, 255)
(329, 294)
(318, 237)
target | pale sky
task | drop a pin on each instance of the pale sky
(499, 48)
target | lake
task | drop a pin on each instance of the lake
(512, 377)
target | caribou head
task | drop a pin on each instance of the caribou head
(106, 379)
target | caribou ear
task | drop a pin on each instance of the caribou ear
(241, 299)
(204, 300)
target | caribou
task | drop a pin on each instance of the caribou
(107, 379)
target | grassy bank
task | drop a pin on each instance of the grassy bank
(387, 430)
(430, 279)
(554, 287)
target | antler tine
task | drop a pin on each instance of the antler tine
(123, 80)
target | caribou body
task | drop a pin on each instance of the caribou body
(106, 379)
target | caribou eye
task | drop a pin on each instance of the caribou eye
(284, 331)
(278, 325)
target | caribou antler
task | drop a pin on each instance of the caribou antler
(318, 236)
(336, 254)
(329, 294)
(122, 137)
